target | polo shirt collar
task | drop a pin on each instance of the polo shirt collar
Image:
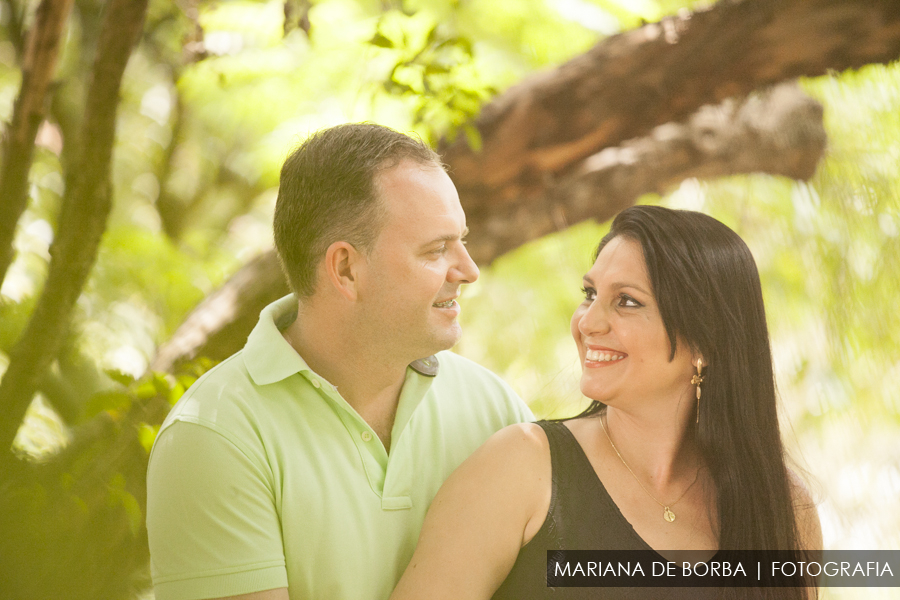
(270, 358)
(267, 355)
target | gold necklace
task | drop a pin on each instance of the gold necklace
(668, 515)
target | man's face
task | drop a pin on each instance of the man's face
(413, 274)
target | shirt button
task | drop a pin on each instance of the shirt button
(316, 383)
(366, 436)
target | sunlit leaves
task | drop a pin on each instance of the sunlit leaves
(436, 69)
(118, 495)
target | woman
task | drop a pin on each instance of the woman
(680, 449)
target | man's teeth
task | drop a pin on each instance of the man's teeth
(599, 356)
(446, 304)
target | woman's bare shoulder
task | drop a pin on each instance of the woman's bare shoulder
(519, 448)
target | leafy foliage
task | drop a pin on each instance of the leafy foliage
(438, 72)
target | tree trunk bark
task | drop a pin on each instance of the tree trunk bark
(219, 326)
(86, 205)
(778, 132)
(18, 143)
(660, 73)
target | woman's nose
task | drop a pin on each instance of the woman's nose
(594, 320)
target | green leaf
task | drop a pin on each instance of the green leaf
(108, 400)
(120, 496)
(147, 435)
(145, 389)
(119, 377)
(432, 35)
(395, 87)
(464, 44)
(436, 69)
(381, 41)
(473, 137)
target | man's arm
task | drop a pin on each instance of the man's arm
(212, 523)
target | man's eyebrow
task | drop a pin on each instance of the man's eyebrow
(447, 238)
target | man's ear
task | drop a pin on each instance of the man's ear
(342, 265)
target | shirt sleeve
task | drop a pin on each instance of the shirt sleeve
(212, 520)
(521, 411)
(517, 410)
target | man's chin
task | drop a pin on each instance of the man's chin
(446, 339)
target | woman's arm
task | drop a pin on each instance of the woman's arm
(809, 529)
(483, 514)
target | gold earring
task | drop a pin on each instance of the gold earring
(697, 380)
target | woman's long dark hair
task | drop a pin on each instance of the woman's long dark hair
(708, 291)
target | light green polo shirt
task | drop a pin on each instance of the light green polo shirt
(262, 476)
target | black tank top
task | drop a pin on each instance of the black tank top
(582, 516)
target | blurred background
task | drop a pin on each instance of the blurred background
(216, 94)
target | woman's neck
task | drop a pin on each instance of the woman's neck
(660, 451)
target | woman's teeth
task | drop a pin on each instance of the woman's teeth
(599, 356)
(446, 304)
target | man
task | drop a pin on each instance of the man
(302, 466)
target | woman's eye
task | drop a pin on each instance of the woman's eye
(590, 294)
(627, 301)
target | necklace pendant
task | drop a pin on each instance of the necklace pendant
(668, 515)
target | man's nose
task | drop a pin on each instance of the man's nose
(465, 271)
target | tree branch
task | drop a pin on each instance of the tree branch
(86, 205)
(660, 73)
(296, 16)
(171, 210)
(779, 132)
(18, 144)
(219, 325)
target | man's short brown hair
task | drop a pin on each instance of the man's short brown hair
(327, 194)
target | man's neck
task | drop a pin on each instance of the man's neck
(369, 382)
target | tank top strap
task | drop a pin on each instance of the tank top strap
(574, 483)
(567, 457)
(564, 450)
(578, 495)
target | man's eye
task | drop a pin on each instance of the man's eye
(440, 250)
(590, 294)
(627, 301)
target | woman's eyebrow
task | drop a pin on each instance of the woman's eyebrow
(619, 284)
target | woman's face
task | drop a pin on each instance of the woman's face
(620, 335)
